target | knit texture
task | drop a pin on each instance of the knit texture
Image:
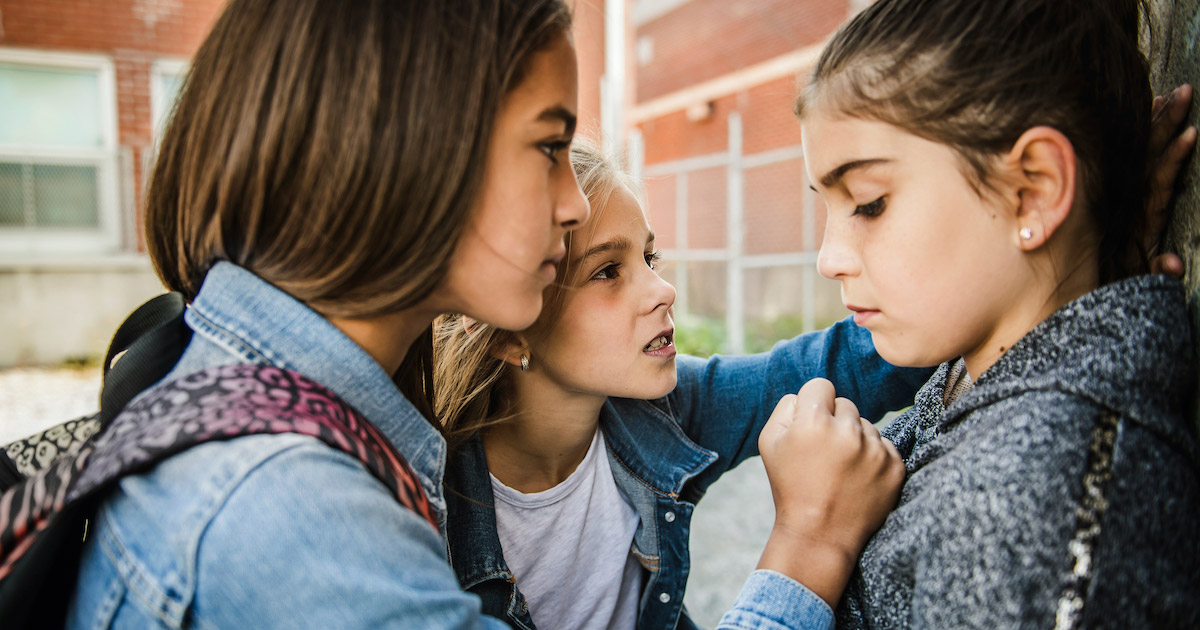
(1062, 490)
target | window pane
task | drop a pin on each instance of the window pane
(50, 106)
(48, 196)
(168, 86)
(12, 198)
(65, 196)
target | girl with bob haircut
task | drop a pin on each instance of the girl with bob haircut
(578, 448)
(335, 176)
(984, 215)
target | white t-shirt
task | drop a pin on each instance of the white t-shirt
(569, 548)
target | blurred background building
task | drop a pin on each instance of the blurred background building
(84, 88)
(697, 93)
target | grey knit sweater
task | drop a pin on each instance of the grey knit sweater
(1062, 490)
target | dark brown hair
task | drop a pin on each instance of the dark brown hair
(975, 75)
(335, 148)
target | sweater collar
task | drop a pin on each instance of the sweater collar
(1126, 346)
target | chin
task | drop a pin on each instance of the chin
(899, 357)
(518, 318)
(907, 359)
(666, 386)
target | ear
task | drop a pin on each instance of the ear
(1041, 170)
(510, 348)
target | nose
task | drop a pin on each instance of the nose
(660, 292)
(837, 259)
(571, 209)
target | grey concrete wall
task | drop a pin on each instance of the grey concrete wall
(1174, 51)
(49, 315)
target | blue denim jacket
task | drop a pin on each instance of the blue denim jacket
(275, 531)
(666, 453)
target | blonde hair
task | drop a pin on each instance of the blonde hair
(471, 385)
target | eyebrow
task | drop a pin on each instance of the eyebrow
(558, 113)
(830, 179)
(615, 244)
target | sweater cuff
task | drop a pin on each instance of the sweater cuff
(772, 601)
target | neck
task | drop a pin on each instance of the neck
(1044, 295)
(386, 338)
(548, 436)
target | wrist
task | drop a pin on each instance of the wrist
(821, 564)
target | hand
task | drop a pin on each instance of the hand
(1169, 147)
(833, 479)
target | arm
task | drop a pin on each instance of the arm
(833, 480)
(318, 542)
(722, 403)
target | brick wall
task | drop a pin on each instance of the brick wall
(705, 58)
(133, 33)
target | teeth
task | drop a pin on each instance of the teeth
(657, 343)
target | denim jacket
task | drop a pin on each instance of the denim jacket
(665, 454)
(275, 531)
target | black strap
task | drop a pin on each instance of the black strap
(9, 474)
(152, 339)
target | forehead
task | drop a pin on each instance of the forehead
(621, 215)
(551, 78)
(833, 140)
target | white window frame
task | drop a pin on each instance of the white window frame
(159, 107)
(29, 244)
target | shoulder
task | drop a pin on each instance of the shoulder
(223, 525)
(1013, 466)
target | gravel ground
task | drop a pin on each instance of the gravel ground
(728, 529)
(33, 399)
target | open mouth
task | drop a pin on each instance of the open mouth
(659, 343)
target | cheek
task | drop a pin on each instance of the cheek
(513, 224)
(592, 330)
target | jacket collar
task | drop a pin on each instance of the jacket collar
(640, 436)
(1126, 346)
(651, 445)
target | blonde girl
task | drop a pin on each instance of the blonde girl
(580, 446)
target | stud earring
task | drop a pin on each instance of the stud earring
(524, 363)
(1026, 233)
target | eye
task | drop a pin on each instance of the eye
(870, 210)
(551, 149)
(608, 272)
(652, 259)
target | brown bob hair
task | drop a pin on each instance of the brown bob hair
(335, 148)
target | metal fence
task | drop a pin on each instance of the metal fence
(753, 279)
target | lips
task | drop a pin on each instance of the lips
(664, 339)
(862, 315)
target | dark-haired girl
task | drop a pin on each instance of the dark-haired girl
(981, 166)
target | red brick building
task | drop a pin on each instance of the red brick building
(84, 88)
(699, 90)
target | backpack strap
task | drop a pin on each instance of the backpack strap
(151, 341)
(218, 403)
